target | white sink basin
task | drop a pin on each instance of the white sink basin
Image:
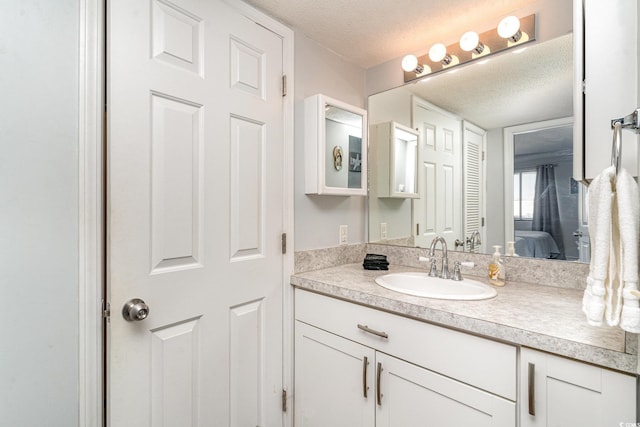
(420, 284)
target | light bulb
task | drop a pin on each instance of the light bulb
(409, 63)
(509, 28)
(437, 52)
(470, 41)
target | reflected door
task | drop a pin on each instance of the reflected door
(438, 211)
(195, 215)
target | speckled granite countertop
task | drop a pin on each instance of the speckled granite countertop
(540, 317)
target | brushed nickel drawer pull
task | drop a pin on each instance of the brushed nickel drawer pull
(365, 362)
(532, 389)
(378, 390)
(373, 331)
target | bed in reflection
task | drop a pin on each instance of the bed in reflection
(536, 244)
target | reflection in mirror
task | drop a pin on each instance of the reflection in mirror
(461, 117)
(545, 197)
(344, 147)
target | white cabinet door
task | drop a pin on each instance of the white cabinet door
(611, 85)
(559, 392)
(413, 396)
(334, 380)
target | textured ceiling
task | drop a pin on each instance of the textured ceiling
(370, 32)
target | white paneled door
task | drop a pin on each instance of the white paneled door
(438, 211)
(195, 215)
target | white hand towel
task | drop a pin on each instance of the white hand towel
(628, 222)
(600, 210)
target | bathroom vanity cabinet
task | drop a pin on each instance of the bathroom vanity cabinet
(356, 366)
(560, 392)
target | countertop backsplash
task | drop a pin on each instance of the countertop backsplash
(563, 274)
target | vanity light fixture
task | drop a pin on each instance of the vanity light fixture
(511, 32)
(509, 28)
(470, 42)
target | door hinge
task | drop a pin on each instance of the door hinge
(284, 85)
(417, 229)
(284, 243)
(106, 310)
(284, 400)
(482, 222)
(483, 154)
(584, 87)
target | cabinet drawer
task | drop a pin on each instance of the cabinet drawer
(480, 362)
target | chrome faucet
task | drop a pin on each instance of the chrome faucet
(473, 240)
(444, 273)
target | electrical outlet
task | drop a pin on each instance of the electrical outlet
(383, 231)
(344, 234)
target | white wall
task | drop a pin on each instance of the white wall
(318, 218)
(38, 213)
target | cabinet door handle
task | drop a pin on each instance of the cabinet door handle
(532, 389)
(378, 391)
(372, 331)
(365, 362)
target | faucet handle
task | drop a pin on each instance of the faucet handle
(433, 270)
(457, 275)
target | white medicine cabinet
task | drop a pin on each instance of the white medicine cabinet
(335, 147)
(395, 150)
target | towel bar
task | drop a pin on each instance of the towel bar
(630, 122)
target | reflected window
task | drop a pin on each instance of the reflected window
(524, 188)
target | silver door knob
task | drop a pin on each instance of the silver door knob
(135, 310)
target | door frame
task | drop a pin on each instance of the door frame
(91, 209)
(92, 204)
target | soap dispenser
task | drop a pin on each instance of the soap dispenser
(496, 268)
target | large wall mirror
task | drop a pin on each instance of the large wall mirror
(495, 138)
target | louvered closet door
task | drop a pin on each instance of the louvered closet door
(195, 216)
(473, 144)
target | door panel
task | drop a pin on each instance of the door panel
(176, 183)
(174, 373)
(195, 215)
